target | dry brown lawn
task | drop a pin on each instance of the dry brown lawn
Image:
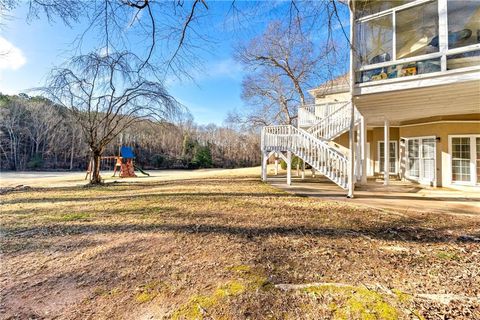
(229, 247)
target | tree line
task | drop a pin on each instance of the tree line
(115, 94)
(37, 134)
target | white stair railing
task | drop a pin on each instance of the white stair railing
(310, 114)
(306, 118)
(324, 158)
(335, 123)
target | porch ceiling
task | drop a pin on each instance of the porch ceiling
(416, 103)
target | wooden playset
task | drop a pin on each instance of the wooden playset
(124, 164)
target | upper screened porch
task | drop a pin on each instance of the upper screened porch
(402, 44)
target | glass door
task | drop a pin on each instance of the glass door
(413, 159)
(461, 159)
(392, 157)
(427, 168)
(421, 160)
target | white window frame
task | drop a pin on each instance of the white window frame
(421, 168)
(473, 156)
(396, 156)
(443, 50)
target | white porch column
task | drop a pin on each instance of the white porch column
(289, 167)
(386, 153)
(264, 165)
(358, 154)
(351, 157)
(276, 163)
(363, 147)
(350, 175)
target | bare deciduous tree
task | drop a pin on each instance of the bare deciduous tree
(106, 95)
(11, 120)
(272, 98)
(44, 119)
(162, 33)
(290, 56)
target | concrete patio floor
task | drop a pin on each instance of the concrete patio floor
(399, 196)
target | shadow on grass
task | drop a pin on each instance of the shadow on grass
(116, 185)
(406, 233)
(47, 245)
(213, 195)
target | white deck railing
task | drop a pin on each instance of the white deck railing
(310, 114)
(335, 123)
(324, 158)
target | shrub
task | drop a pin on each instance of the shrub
(202, 157)
(295, 160)
(36, 162)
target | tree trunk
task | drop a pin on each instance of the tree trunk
(95, 177)
(72, 150)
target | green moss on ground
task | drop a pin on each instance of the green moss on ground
(149, 291)
(198, 306)
(356, 303)
(72, 217)
(448, 255)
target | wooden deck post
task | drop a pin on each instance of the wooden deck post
(276, 164)
(289, 168)
(264, 165)
(303, 170)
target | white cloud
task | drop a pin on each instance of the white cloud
(226, 68)
(103, 52)
(221, 69)
(11, 57)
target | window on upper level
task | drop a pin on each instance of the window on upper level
(463, 23)
(417, 30)
(367, 7)
(402, 38)
(463, 30)
(416, 33)
(375, 40)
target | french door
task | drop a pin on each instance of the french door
(465, 152)
(421, 159)
(393, 156)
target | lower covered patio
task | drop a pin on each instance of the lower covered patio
(398, 196)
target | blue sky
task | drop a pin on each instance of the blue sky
(34, 48)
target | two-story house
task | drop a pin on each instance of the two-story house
(415, 82)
